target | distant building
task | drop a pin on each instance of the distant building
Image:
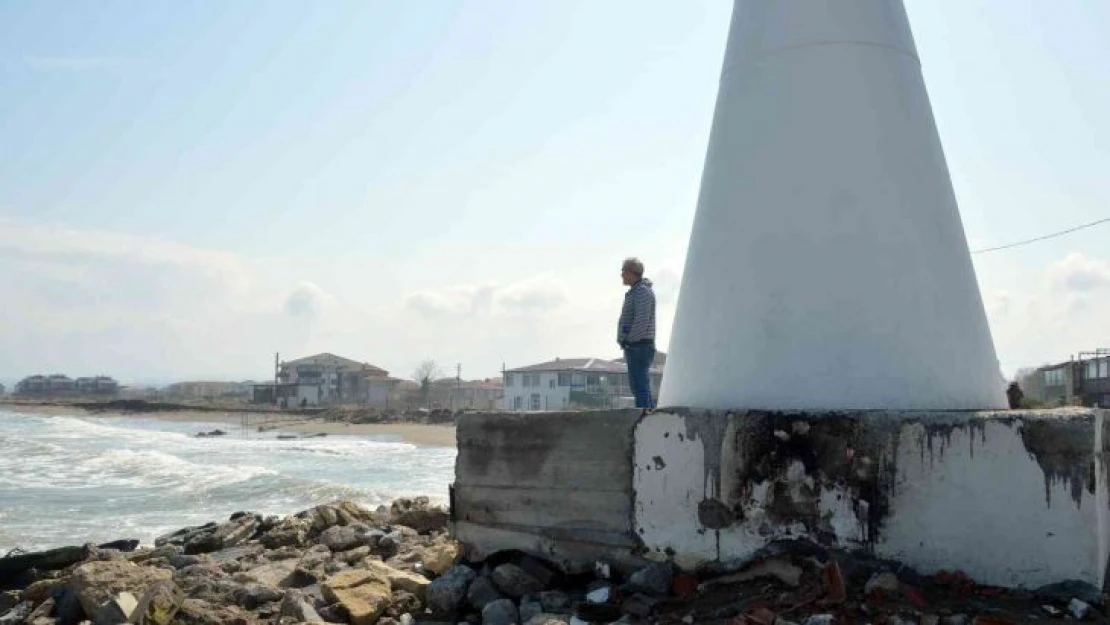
(1083, 380)
(327, 379)
(60, 385)
(458, 394)
(99, 385)
(203, 390)
(3, 390)
(568, 383)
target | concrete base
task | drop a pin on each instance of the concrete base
(1012, 498)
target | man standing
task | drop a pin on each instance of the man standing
(636, 331)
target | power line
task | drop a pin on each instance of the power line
(1042, 238)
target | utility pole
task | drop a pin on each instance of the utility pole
(277, 359)
(458, 380)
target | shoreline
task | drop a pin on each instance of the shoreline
(419, 434)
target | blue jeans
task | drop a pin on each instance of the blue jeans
(639, 359)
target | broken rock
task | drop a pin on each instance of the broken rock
(514, 581)
(654, 578)
(500, 612)
(445, 595)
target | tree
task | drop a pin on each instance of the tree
(426, 372)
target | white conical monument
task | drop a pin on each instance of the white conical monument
(827, 267)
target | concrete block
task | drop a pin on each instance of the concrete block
(1013, 498)
(556, 485)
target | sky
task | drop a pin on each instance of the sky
(188, 188)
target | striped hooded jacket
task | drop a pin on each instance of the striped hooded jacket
(637, 322)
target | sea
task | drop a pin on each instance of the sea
(70, 480)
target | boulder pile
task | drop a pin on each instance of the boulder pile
(397, 565)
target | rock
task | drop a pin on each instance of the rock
(400, 580)
(539, 569)
(955, 619)
(639, 605)
(354, 556)
(8, 600)
(181, 536)
(277, 574)
(1079, 609)
(885, 581)
(387, 546)
(555, 601)
(17, 614)
(199, 612)
(68, 608)
(600, 594)
(654, 578)
(363, 596)
(289, 532)
(514, 581)
(251, 596)
(328, 515)
(445, 595)
(591, 612)
(440, 557)
(224, 535)
(341, 538)
(820, 619)
(1067, 590)
(97, 582)
(43, 612)
(39, 591)
(419, 514)
(402, 603)
(125, 545)
(500, 612)
(530, 606)
(548, 619)
(294, 605)
(314, 563)
(481, 592)
(116, 610)
(182, 561)
(159, 604)
(776, 568)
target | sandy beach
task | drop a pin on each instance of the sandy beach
(415, 433)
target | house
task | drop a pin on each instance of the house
(98, 385)
(1083, 380)
(567, 383)
(458, 394)
(327, 379)
(46, 385)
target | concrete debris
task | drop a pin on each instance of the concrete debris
(600, 595)
(1079, 609)
(327, 564)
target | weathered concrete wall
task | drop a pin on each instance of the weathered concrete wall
(1012, 498)
(557, 485)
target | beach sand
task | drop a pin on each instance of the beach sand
(420, 434)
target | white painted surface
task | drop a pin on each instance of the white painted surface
(980, 500)
(827, 265)
(976, 501)
(544, 395)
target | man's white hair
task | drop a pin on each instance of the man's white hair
(634, 265)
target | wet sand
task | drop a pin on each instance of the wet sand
(415, 433)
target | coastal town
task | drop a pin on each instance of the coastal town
(328, 380)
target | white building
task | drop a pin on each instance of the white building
(566, 383)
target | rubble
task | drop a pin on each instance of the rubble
(328, 564)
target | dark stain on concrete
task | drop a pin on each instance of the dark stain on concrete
(659, 463)
(1064, 448)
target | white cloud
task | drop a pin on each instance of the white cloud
(1045, 315)
(90, 301)
(1079, 274)
(537, 296)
